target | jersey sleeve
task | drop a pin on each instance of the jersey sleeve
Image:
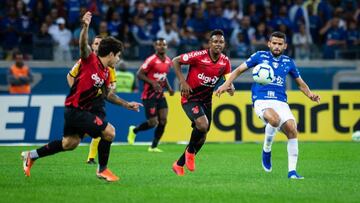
(75, 69)
(253, 60)
(148, 65)
(227, 69)
(112, 78)
(294, 72)
(190, 57)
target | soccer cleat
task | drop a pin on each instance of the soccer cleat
(27, 163)
(294, 175)
(190, 160)
(107, 175)
(131, 135)
(150, 149)
(91, 161)
(179, 170)
(266, 161)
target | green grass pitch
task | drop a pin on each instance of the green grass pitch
(224, 173)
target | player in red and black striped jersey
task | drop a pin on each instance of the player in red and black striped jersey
(206, 67)
(91, 84)
(153, 72)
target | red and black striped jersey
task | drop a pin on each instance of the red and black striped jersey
(90, 84)
(204, 73)
(155, 69)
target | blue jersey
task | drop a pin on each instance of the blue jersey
(282, 66)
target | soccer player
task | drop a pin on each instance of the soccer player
(92, 84)
(99, 108)
(206, 67)
(270, 101)
(153, 72)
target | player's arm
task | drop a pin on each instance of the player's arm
(70, 80)
(168, 87)
(230, 78)
(184, 86)
(304, 88)
(142, 76)
(113, 98)
(85, 49)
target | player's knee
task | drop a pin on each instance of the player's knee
(274, 121)
(109, 133)
(153, 122)
(162, 121)
(203, 127)
(70, 143)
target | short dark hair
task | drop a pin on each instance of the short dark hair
(108, 45)
(216, 32)
(278, 35)
(159, 39)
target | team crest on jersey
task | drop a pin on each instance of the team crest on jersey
(195, 109)
(275, 65)
(98, 82)
(185, 57)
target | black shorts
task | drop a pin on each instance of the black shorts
(195, 110)
(152, 106)
(83, 122)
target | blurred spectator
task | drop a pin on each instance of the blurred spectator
(103, 29)
(125, 80)
(260, 38)
(143, 37)
(241, 48)
(188, 41)
(353, 35)
(314, 25)
(11, 31)
(335, 38)
(128, 41)
(219, 22)
(62, 39)
(43, 44)
(245, 28)
(199, 24)
(302, 42)
(171, 37)
(19, 76)
(114, 24)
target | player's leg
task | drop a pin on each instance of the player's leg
(288, 126)
(93, 149)
(162, 119)
(108, 135)
(152, 121)
(265, 110)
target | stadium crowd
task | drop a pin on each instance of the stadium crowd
(49, 29)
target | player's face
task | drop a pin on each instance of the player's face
(95, 44)
(114, 59)
(277, 45)
(160, 46)
(217, 44)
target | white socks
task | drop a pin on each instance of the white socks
(270, 132)
(34, 154)
(293, 151)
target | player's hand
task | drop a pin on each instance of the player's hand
(157, 87)
(314, 97)
(86, 19)
(135, 106)
(185, 89)
(221, 89)
(231, 90)
(171, 92)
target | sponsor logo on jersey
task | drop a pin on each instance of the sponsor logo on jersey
(207, 81)
(205, 61)
(98, 82)
(160, 76)
(222, 63)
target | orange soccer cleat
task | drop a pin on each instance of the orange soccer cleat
(27, 163)
(179, 170)
(107, 175)
(190, 160)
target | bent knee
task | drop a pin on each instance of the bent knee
(109, 133)
(70, 143)
(153, 122)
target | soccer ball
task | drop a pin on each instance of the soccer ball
(356, 136)
(263, 74)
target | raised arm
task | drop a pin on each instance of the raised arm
(85, 49)
(304, 88)
(184, 86)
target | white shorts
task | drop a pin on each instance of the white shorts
(281, 108)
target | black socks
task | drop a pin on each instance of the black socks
(50, 149)
(104, 152)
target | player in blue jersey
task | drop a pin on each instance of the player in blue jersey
(270, 101)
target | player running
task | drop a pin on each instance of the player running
(91, 85)
(270, 101)
(153, 72)
(99, 108)
(206, 67)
